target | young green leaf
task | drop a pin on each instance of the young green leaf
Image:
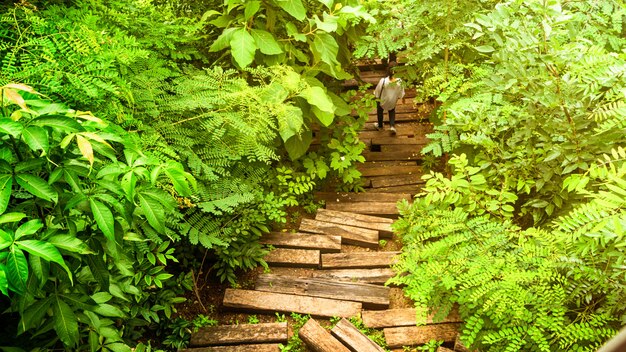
(154, 212)
(36, 138)
(65, 323)
(104, 219)
(252, 7)
(266, 42)
(10, 127)
(17, 271)
(70, 243)
(45, 251)
(4, 284)
(294, 8)
(28, 228)
(242, 47)
(36, 186)
(6, 186)
(317, 97)
(62, 123)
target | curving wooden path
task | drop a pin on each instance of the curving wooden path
(341, 265)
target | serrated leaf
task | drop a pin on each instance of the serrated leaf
(65, 323)
(36, 186)
(6, 186)
(104, 219)
(36, 138)
(266, 42)
(294, 8)
(17, 271)
(154, 212)
(242, 47)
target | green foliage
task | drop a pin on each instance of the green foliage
(295, 344)
(85, 237)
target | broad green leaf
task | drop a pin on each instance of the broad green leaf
(485, 48)
(6, 186)
(36, 186)
(17, 271)
(36, 138)
(45, 251)
(179, 178)
(297, 146)
(85, 148)
(329, 24)
(109, 310)
(252, 7)
(4, 284)
(101, 297)
(242, 47)
(28, 228)
(129, 181)
(29, 165)
(154, 212)
(266, 42)
(317, 97)
(325, 118)
(327, 3)
(10, 127)
(289, 122)
(104, 219)
(63, 123)
(65, 323)
(6, 239)
(325, 48)
(341, 107)
(294, 8)
(34, 314)
(118, 347)
(70, 244)
(39, 268)
(292, 31)
(11, 217)
(223, 41)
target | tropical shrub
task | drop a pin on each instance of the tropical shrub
(87, 221)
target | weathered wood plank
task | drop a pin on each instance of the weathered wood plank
(412, 189)
(381, 208)
(419, 335)
(350, 336)
(399, 180)
(302, 258)
(319, 339)
(381, 156)
(417, 140)
(323, 243)
(258, 301)
(261, 347)
(378, 164)
(389, 170)
(240, 334)
(370, 276)
(349, 234)
(460, 347)
(412, 116)
(391, 148)
(369, 295)
(443, 349)
(362, 260)
(362, 197)
(376, 223)
(400, 317)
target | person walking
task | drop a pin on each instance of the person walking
(387, 93)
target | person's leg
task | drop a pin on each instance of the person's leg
(379, 114)
(392, 120)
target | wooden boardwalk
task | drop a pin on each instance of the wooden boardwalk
(340, 268)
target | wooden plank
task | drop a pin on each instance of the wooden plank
(371, 276)
(411, 189)
(379, 164)
(389, 170)
(460, 347)
(323, 243)
(349, 234)
(362, 260)
(390, 148)
(262, 347)
(319, 339)
(353, 219)
(419, 140)
(258, 301)
(380, 156)
(301, 258)
(401, 117)
(350, 336)
(443, 349)
(370, 295)
(401, 317)
(240, 334)
(382, 208)
(419, 335)
(362, 197)
(399, 180)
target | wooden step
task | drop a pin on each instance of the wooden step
(371, 208)
(401, 317)
(260, 302)
(354, 339)
(396, 140)
(419, 335)
(400, 117)
(443, 349)
(363, 260)
(370, 276)
(323, 243)
(411, 189)
(301, 258)
(369, 131)
(319, 339)
(361, 197)
(381, 156)
(349, 234)
(385, 163)
(390, 148)
(398, 180)
(377, 223)
(240, 334)
(389, 170)
(262, 347)
(374, 296)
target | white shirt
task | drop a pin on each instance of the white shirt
(389, 92)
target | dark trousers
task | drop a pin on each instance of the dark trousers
(380, 112)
